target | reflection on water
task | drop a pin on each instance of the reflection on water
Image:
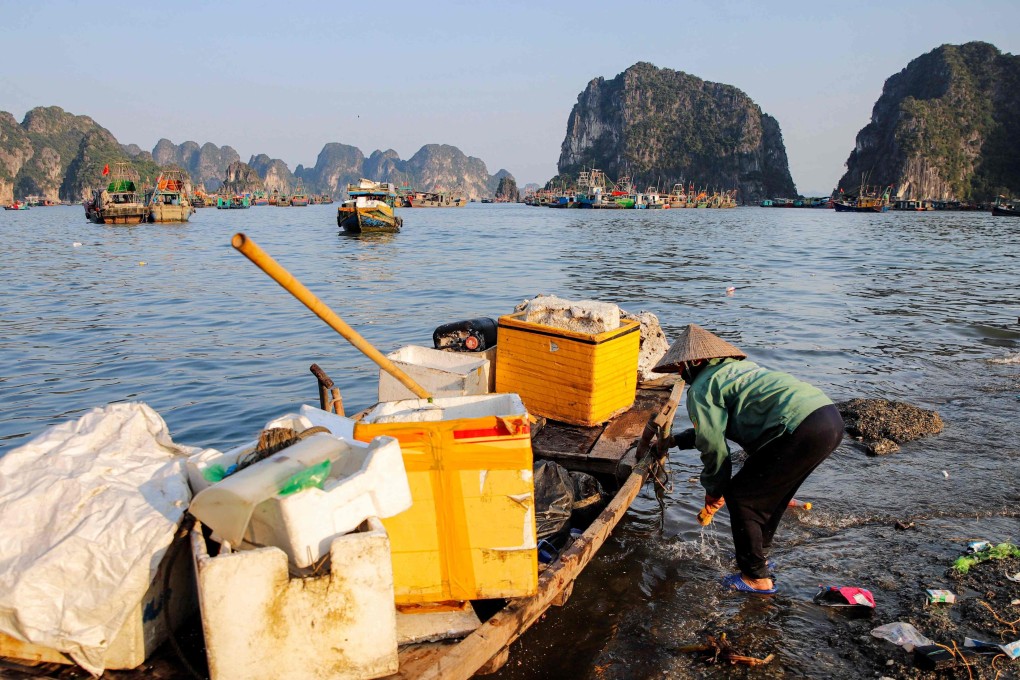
(919, 307)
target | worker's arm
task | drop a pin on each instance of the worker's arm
(708, 413)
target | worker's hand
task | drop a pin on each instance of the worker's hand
(712, 506)
(685, 439)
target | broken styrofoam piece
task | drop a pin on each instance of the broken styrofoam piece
(654, 344)
(581, 316)
(261, 622)
(422, 625)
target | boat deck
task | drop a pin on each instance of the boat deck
(622, 449)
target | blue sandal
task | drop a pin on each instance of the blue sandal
(735, 582)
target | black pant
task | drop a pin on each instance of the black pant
(759, 494)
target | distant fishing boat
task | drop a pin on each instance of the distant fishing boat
(435, 199)
(866, 201)
(299, 198)
(118, 202)
(17, 205)
(1007, 209)
(166, 201)
(236, 202)
(369, 209)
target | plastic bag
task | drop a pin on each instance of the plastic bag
(554, 500)
(589, 499)
(312, 477)
(902, 634)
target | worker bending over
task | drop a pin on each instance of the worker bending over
(786, 426)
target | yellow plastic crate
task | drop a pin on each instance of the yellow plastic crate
(576, 378)
(470, 532)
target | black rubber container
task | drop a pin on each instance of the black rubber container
(472, 335)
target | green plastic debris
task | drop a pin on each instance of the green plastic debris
(214, 473)
(312, 477)
(1000, 552)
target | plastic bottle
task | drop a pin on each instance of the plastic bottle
(794, 503)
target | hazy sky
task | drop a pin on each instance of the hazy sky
(497, 80)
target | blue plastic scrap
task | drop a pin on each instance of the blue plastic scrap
(1011, 649)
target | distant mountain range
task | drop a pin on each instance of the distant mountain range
(60, 156)
(946, 127)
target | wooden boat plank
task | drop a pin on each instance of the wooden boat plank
(463, 659)
(599, 449)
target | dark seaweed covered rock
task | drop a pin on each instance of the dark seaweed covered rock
(882, 424)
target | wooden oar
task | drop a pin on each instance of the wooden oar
(263, 261)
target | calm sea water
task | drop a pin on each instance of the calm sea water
(918, 307)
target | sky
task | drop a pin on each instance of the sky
(497, 80)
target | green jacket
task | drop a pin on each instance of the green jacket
(741, 401)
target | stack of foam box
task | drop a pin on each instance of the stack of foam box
(259, 619)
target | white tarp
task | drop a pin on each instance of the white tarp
(89, 508)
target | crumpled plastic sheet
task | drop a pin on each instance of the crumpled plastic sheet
(92, 507)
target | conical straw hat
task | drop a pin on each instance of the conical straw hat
(696, 343)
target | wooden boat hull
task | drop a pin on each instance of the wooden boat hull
(133, 213)
(169, 213)
(1005, 211)
(367, 221)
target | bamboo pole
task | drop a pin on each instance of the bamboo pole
(266, 263)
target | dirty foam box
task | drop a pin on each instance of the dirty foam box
(576, 378)
(145, 628)
(364, 480)
(443, 374)
(260, 623)
(470, 531)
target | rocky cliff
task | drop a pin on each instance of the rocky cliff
(946, 127)
(506, 190)
(434, 167)
(59, 156)
(207, 164)
(660, 126)
(241, 178)
(15, 150)
(275, 174)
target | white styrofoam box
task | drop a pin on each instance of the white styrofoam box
(443, 374)
(145, 628)
(208, 465)
(365, 480)
(446, 408)
(260, 623)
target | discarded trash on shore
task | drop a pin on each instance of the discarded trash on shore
(902, 634)
(1011, 649)
(939, 596)
(982, 554)
(718, 649)
(838, 596)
